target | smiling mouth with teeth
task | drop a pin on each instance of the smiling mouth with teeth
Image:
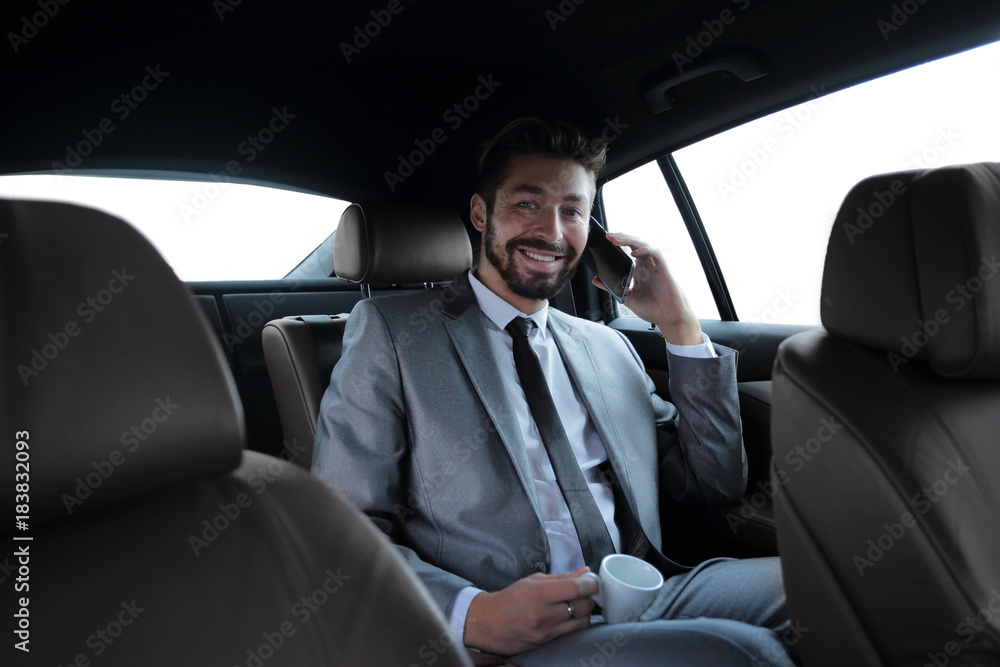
(540, 258)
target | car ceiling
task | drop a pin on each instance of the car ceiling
(232, 62)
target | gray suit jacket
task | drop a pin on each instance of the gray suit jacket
(418, 431)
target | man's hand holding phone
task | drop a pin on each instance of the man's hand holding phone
(654, 295)
(613, 266)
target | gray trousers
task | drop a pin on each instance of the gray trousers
(723, 612)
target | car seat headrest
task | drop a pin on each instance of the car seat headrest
(115, 382)
(912, 269)
(384, 243)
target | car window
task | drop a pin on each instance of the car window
(206, 230)
(640, 204)
(769, 190)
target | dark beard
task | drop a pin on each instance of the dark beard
(535, 285)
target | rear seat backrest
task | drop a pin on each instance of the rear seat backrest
(301, 352)
(375, 243)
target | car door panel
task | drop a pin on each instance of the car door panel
(746, 528)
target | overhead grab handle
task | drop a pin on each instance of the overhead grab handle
(744, 66)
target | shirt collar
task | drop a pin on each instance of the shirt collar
(499, 312)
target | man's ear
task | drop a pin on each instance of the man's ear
(477, 212)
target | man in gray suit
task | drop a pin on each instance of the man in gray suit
(426, 427)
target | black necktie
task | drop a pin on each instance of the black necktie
(590, 528)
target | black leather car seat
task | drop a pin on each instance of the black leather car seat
(152, 538)
(886, 430)
(300, 352)
(375, 244)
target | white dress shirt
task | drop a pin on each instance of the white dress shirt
(565, 553)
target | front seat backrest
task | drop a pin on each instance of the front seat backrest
(885, 429)
(152, 538)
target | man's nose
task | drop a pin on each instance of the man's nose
(548, 226)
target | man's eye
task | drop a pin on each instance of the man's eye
(572, 212)
(526, 204)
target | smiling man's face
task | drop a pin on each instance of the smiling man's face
(538, 228)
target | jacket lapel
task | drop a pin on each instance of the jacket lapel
(635, 475)
(468, 334)
(579, 363)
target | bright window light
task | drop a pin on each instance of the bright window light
(206, 230)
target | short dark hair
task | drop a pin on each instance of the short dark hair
(534, 136)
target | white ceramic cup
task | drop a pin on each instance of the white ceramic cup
(626, 587)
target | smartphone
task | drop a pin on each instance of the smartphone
(612, 265)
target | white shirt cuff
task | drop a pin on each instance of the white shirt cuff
(460, 609)
(703, 351)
